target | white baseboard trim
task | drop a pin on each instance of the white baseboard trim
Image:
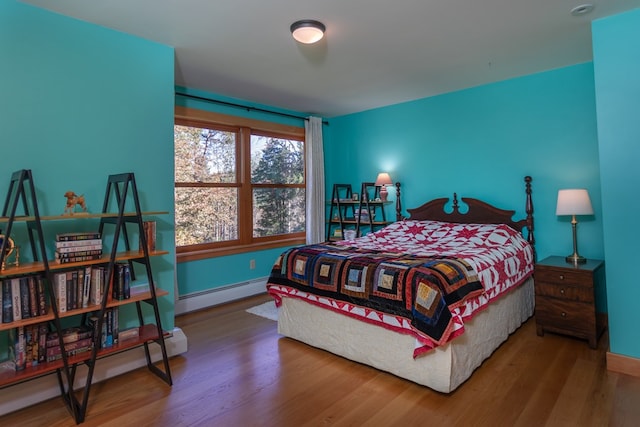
(209, 298)
(38, 390)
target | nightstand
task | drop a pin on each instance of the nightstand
(565, 298)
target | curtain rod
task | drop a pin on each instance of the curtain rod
(244, 107)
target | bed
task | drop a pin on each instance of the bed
(427, 298)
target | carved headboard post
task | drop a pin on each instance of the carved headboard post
(529, 210)
(398, 203)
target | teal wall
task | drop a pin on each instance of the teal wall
(211, 273)
(80, 102)
(616, 45)
(480, 143)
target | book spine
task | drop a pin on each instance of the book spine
(34, 311)
(42, 342)
(78, 243)
(70, 237)
(97, 285)
(126, 282)
(86, 287)
(109, 332)
(60, 290)
(15, 296)
(30, 345)
(78, 259)
(79, 250)
(17, 347)
(7, 302)
(25, 303)
(115, 324)
(42, 295)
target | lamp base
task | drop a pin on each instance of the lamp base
(575, 259)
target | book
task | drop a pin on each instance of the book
(79, 250)
(33, 296)
(69, 335)
(17, 347)
(70, 237)
(42, 342)
(7, 302)
(128, 334)
(43, 307)
(78, 258)
(149, 230)
(97, 285)
(31, 344)
(15, 296)
(86, 287)
(25, 301)
(60, 291)
(78, 243)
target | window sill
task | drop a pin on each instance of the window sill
(233, 250)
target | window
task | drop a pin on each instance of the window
(239, 184)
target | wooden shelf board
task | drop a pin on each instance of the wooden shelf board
(79, 215)
(147, 333)
(136, 296)
(38, 266)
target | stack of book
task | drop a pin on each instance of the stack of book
(22, 298)
(76, 340)
(78, 247)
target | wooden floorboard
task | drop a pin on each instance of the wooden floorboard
(239, 372)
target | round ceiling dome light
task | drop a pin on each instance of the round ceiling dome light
(307, 31)
(583, 9)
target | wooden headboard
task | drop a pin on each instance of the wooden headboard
(479, 213)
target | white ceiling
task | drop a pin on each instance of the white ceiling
(375, 52)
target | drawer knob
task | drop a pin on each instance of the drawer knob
(562, 277)
(563, 314)
(562, 291)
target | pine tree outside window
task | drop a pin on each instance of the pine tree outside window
(237, 188)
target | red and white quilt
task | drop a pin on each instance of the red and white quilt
(499, 255)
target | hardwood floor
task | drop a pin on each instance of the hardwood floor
(240, 372)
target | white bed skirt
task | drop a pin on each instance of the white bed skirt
(442, 369)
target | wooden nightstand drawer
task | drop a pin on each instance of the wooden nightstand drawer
(566, 316)
(563, 276)
(566, 292)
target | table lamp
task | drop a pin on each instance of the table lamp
(574, 202)
(382, 181)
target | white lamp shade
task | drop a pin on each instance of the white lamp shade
(574, 202)
(307, 31)
(383, 179)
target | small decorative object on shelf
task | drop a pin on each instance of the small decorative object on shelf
(74, 200)
(10, 248)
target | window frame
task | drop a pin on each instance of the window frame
(244, 127)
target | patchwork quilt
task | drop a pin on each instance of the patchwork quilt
(425, 278)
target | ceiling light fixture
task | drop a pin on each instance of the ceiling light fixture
(583, 9)
(307, 31)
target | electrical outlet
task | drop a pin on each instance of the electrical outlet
(252, 264)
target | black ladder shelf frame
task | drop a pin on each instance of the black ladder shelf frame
(118, 187)
(341, 201)
(15, 194)
(370, 202)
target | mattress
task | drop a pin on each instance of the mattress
(442, 369)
